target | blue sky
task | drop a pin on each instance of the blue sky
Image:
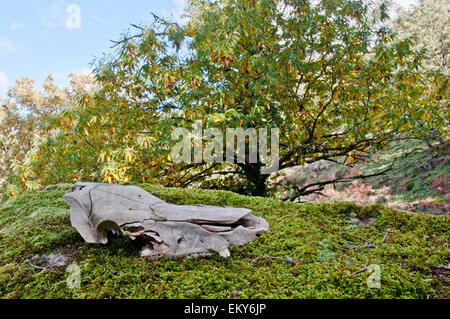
(38, 37)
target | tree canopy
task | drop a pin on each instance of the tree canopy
(428, 24)
(330, 75)
(27, 126)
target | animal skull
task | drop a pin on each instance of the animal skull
(168, 230)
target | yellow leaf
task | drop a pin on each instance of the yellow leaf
(128, 157)
(426, 116)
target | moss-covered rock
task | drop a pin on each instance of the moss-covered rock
(319, 237)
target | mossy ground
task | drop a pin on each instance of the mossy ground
(38, 222)
(411, 179)
(418, 182)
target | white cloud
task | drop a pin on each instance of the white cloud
(180, 4)
(53, 15)
(85, 71)
(16, 26)
(176, 14)
(405, 4)
(7, 47)
(399, 6)
(59, 13)
(3, 83)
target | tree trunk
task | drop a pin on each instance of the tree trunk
(258, 180)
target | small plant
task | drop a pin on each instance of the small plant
(325, 251)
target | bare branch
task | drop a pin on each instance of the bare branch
(303, 191)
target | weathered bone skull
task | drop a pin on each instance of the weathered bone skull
(168, 230)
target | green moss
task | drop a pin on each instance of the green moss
(38, 222)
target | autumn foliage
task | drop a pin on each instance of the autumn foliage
(331, 76)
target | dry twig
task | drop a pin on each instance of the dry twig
(386, 235)
(357, 272)
(38, 267)
(286, 258)
(370, 246)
